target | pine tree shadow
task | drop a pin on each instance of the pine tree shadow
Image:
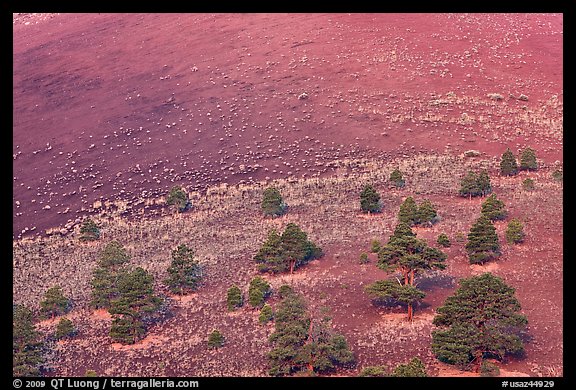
(433, 281)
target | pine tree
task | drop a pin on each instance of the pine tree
(266, 314)
(515, 232)
(270, 257)
(508, 165)
(528, 160)
(64, 329)
(300, 342)
(427, 213)
(469, 185)
(89, 230)
(370, 200)
(528, 184)
(179, 199)
(414, 368)
(480, 320)
(135, 304)
(113, 255)
(443, 240)
(408, 212)
(397, 179)
(103, 288)
(258, 291)
(493, 208)
(408, 255)
(272, 203)
(184, 273)
(54, 303)
(27, 347)
(234, 298)
(215, 340)
(482, 242)
(483, 183)
(375, 246)
(286, 252)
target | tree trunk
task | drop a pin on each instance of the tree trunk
(410, 312)
(405, 272)
(311, 361)
(411, 277)
(292, 264)
(478, 361)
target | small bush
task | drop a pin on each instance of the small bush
(266, 314)
(258, 291)
(528, 185)
(558, 175)
(90, 374)
(215, 340)
(89, 231)
(64, 329)
(460, 237)
(375, 246)
(515, 232)
(234, 298)
(443, 241)
(364, 258)
(371, 371)
(284, 291)
(488, 369)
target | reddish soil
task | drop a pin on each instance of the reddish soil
(111, 107)
(122, 107)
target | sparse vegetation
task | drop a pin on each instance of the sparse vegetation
(480, 320)
(272, 203)
(558, 175)
(443, 240)
(234, 298)
(374, 371)
(370, 200)
(483, 243)
(364, 258)
(515, 232)
(375, 246)
(89, 230)
(489, 369)
(185, 273)
(414, 368)
(475, 184)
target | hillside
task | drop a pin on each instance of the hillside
(110, 111)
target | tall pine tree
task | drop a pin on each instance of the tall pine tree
(110, 262)
(481, 320)
(27, 346)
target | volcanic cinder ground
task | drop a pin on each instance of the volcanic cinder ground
(112, 110)
(116, 106)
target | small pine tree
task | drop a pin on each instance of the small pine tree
(493, 208)
(528, 184)
(89, 230)
(179, 199)
(469, 185)
(113, 255)
(284, 291)
(364, 258)
(266, 314)
(258, 291)
(296, 249)
(483, 183)
(185, 273)
(215, 340)
(415, 368)
(270, 257)
(272, 203)
(508, 165)
(515, 232)
(528, 160)
(64, 329)
(427, 213)
(375, 246)
(370, 200)
(482, 242)
(234, 298)
(408, 213)
(54, 303)
(443, 241)
(397, 179)
(27, 345)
